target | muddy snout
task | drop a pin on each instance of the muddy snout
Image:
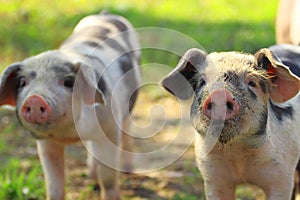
(220, 105)
(35, 109)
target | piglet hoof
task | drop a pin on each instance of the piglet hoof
(96, 187)
(127, 168)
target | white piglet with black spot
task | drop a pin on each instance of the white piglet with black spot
(84, 90)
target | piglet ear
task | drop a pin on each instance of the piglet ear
(284, 84)
(87, 82)
(180, 81)
(8, 85)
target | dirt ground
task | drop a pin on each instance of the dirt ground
(157, 120)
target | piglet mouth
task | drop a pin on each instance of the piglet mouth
(225, 138)
(39, 136)
(222, 130)
(229, 131)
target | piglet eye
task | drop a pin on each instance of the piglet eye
(21, 82)
(69, 81)
(252, 83)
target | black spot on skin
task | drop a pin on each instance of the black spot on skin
(253, 95)
(114, 45)
(68, 64)
(295, 69)
(122, 28)
(88, 56)
(102, 33)
(262, 124)
(125, 63)
(120, 25)
(281, 112)
(92, 44)
(195, 106)
(289, 55)
(231, 77)
(64, 69)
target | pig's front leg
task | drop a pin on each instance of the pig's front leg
(217, 180)
(51, 155)
(280, 193)
(105, 177)
(108, 180)
(280, 190)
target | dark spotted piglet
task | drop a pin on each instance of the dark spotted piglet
(290, 56)
(84, 90)
(246, 116)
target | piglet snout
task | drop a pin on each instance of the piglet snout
(220, 105)
(35, 109)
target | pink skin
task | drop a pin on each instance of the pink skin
(220, 105)
(36, 110)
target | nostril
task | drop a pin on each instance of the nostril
(28, 109)
(209, 106)
(229, 105)
(42, 109)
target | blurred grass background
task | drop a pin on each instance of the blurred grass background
(28, 27)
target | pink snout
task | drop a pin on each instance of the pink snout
(36, 110)
(220, 105)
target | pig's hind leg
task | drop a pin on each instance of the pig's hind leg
(105, 164)
(127, 142)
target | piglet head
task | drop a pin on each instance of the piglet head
(42, 87)
(231, 90)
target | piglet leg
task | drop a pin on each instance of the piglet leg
(51, 155)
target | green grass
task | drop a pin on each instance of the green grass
(17, 183)
(31, 26)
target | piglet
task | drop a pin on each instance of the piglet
(246, 116)
(290, 56)
(85, 91)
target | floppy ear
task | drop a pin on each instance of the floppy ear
(180, 81)
(284, 84)
(8, 85)
(88, 84)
